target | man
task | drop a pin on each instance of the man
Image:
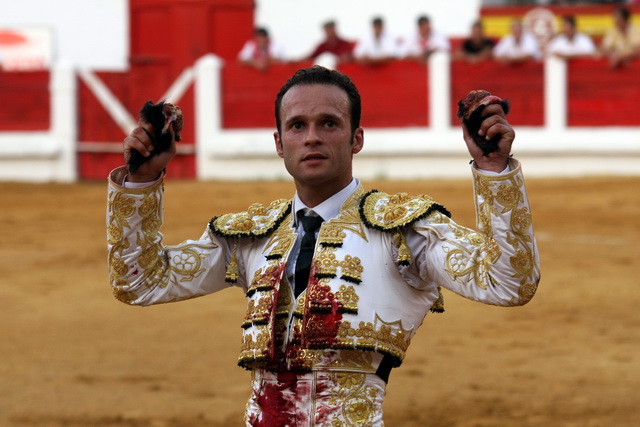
(477, 47)
(421, 44)
(333, 44)
(519, 46)
(570, 43)
(379, 47)
(261, 51)
(326, 321)
(621, 44)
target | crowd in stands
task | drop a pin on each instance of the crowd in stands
(620, 44)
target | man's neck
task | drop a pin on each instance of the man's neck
(312, 196)
(312, 199)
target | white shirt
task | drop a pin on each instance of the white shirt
(415, 44)
(249, 49)
(580, 45)
(370, 47)
(507, 47)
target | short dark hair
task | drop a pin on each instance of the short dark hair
(329, 24)
(423, 19)
(570, 19)
(323, 76)
(261, 31)
(377, 21)
(624, 13)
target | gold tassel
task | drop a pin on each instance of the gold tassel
(404, 254)
(438, 305)
(232, 273)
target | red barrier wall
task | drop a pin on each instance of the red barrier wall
(393, 95)
(25, 101)
(248, 95)
(522, 84)
(601, 96)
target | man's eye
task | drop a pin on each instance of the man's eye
(330, 123)
(297, 125)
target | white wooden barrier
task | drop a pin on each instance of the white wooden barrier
(48, 155)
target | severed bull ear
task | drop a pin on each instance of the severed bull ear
(160, 116)
(470, 111)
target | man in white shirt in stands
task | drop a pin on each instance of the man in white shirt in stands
(519, 46)
(421, 44)
(261, 51)
(570, 43)
(378, 47)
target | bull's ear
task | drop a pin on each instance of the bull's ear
(506, 106)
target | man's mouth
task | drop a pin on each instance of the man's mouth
(313, 156)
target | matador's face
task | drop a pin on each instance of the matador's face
(316, 140)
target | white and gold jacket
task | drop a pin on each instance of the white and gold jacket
(378, 268)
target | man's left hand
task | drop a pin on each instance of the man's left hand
(494, 123)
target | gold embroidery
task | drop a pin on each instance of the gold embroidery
(257, 221)
(349, 220)
(280, 241)
(367, 337)
(348, 298)
(232, 273)
(156, 265)
(357, 401)
(404, 253)
(465, 266)
(389, 212)
(267, 278)
(259, 310)
(325, 262)
(351, 268)
(332, 234)
(354, 360)
(254, 346)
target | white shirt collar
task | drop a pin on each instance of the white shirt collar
(328, 209)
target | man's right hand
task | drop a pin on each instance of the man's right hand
(139, 140)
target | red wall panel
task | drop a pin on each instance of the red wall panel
(393, 95)
(24, 101)
(601, 96)
(248, 95)
(522, 84)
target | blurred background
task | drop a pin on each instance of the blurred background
(73, 77)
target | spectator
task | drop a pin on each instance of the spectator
(477, 47)
(424, 42)
(621, 44)
(519, 46)
(570, 43)
(333, 44)
(260, 51)
(378, 47)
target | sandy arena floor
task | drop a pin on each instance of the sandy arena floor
(74, 356)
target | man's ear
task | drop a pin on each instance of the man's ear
(358, 141)
(278, 141)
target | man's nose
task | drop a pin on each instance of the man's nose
(312, 136)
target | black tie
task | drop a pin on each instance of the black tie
(311, 224)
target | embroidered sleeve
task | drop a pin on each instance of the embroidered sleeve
(496, 264)
(142, 270)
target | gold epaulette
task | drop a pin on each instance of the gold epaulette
(391, 212)
(257, 221)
